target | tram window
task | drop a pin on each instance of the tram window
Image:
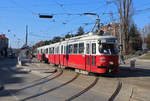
(62, 49)
(67, 49)
(57, 50)
(81, 48)
(70, 49)
(41, 51)
(46, 50)
(87, 48)
(50, 50)
(37, 51)
(75, 51)
(53, 50)
(93, 48)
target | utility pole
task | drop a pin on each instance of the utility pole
(121, 44)
(26, 35)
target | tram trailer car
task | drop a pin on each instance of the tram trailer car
(91, 52)
(42, 53)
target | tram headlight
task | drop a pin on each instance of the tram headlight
(102, 59)
(111, 63)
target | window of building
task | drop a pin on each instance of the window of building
(75, 51)
(93, 48)
(87, 48)
(81, 48)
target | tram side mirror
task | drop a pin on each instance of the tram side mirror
(99, 42)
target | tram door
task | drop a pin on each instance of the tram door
(62, 55)
(88, 57)
(93, 57)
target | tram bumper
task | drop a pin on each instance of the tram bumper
(109, 69)
(112, 69)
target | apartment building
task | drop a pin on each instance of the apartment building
(3, 45)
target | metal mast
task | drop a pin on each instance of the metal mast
(26, 35)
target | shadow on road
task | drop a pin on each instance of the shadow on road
(8, 75)
(126, 72)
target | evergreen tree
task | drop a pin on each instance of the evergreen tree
(68, 36)
(147, 40)
(56, 39)
(135, 40)
(80, 31)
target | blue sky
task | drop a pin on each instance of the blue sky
(16, 14)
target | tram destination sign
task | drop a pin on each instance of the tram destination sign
(108, 41)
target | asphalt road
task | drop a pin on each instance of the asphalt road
(21, 85)
(40, 82)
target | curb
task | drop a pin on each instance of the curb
(143, 60)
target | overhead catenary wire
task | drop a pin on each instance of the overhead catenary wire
(25, 8)
(36, 35)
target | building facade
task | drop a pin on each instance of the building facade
(113, 29)
(3, 45)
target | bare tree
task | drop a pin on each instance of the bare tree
(125, 11)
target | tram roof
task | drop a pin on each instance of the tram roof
(89, 36)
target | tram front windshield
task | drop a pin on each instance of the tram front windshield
(109, 49)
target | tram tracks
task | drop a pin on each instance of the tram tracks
(84, 90)
(37, 82)
(46, 79)
(52, 89)
(42, 82)
(116, 92)
(111, 98)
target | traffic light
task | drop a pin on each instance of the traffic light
(46, 16)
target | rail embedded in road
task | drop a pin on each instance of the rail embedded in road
(52, 89)
(83, 91)
(116, 92)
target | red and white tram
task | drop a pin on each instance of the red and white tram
(91, 53)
